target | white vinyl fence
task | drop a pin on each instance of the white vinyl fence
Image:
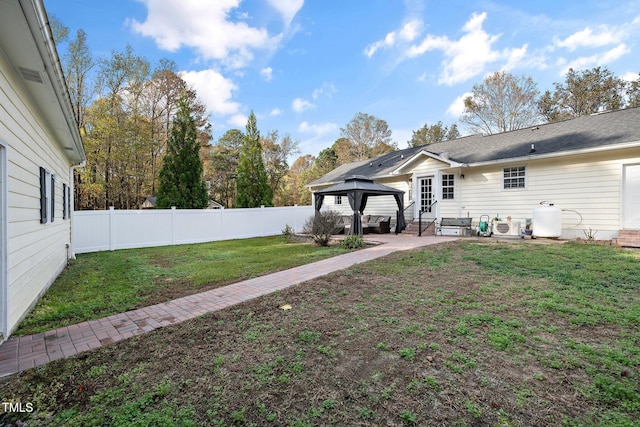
(120, 229)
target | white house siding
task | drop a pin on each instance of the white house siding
(424, 167)
(588, 184)
(36, 253)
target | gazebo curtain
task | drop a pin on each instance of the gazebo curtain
(358, 192)
(356, 203)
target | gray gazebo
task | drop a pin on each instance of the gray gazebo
(358, 189)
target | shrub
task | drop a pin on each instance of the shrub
(288, 233)
(322, 225)
(352, 242)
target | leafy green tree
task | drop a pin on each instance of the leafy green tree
(224, 164)
(275, 152)
(181, 183)
(633, 92)
(501, 103)
(326, 161)
(252, 181)
(583, 93)
(435, 133)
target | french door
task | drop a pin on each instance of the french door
(426, 192)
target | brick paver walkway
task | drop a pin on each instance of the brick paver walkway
(18, 354)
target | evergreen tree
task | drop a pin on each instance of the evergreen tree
(181, 183)
(253, 188)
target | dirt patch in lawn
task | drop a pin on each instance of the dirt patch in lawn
(426, 337)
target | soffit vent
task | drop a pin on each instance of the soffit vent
(31, 75)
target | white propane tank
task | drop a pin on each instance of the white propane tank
(547, 220)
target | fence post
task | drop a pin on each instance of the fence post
(173, 225)
(112, 225)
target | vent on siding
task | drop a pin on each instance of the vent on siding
(31, 75)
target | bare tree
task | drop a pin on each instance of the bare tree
(369, 136)
(78, 63)
(503, 102)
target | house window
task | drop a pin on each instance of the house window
(448, 184)
(338, 200)
(47, 196)
(65, 201)
(514, 177)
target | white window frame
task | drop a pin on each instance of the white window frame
(337, 200)
(444, 179)
(519, 177)
(49, 194)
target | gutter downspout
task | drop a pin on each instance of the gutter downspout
(72, 252)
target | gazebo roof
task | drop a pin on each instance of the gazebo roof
(358, 183)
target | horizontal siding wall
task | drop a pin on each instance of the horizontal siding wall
(36, 253)
(587, 186)
(121, 229)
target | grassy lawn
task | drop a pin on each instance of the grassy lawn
(462, 333)
(104, 283)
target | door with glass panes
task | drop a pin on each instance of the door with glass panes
(426, 196)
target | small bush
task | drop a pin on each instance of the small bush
(352, 242)
(288, 233)
(321, 226)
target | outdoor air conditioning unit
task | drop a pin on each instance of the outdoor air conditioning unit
(506, 228)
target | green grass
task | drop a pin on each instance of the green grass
(496, 334)
(104, 283)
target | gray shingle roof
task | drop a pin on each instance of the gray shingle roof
(358, 183)
(586, 132)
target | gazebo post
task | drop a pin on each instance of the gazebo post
(358, 189)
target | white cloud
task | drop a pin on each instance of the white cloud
(238, 121)
(468, 56)
(205, 27)
(603, 36)
(299, 105)
(515, 57)
(267, 73)
(214, 90)
(630, 76)
(604, 58)
(457, 106)
(327, 89)
(287, 9)
(317, 129)
(407, 33)
(276, 112)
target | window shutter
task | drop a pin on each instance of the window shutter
(65, 210)
(53, 193)
(43, 196)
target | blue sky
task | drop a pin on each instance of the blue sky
(306, 68)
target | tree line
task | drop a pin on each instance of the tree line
(136, 118)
